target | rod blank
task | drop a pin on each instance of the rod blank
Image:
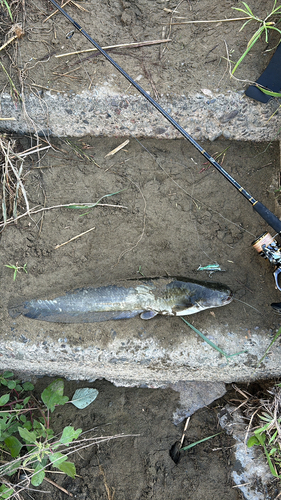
(264, 212)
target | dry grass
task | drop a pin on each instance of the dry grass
(13, 195)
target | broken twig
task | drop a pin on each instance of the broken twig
(121, 146)
(122, 45)
(74, 238)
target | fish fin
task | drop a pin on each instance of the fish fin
(182, 307)
(72, 317)
(148, 314)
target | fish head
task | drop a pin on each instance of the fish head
(200, 296)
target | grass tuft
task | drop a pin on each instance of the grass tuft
(265, 25)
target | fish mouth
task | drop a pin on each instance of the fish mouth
(229, 298)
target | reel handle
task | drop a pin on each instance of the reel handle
(276, 274)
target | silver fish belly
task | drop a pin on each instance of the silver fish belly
(144, 297)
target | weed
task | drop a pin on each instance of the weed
(6, 5)
(26, 435)
(13, 91)
(276, 336)
(139, 271)
(16, 268)
(265, 25)
(269, 92)
(267, 433)
(191, 445)
(227, 356)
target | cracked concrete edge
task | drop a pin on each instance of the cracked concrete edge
(193, 394)
(105, 112)
(130, 361)
(200, 379)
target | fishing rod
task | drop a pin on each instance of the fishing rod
(265, 244)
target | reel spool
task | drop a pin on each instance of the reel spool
(269, 249)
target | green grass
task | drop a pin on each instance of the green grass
(6, 5)
(16, 269)
(265, 25)
(267, 434)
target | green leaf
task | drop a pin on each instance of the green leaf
(39, 475)
(4, 399)
(5, 491)
(7, 374)
(14, 446)
(269, 92)
(260, 436)
(271, 466)
(84, 397)
(252, 441)
(266, 417)
(248, 9)
(50, 433)
(25, 401)
(8, 8)
(28, 386)
(69, 434)
(27, 425)
(11, 384)
(260, 430)
(29, 437)
(210, 342)
(53, 395)
(198, 442)
(251, 42)
(68, 468)
(268, 348)
(272, 451)
(57, 458)
(273, 437)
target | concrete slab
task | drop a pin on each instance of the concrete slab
(105, 111)
(180, 233)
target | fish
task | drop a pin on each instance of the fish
(173, 296)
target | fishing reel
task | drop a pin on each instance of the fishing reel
(268, 248)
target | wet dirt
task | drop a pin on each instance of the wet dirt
(193, 60)
(138, 465)
(172, 214)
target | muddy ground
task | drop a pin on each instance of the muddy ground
(176, 214)
(142, 464)
(179, 214)
(171, 214)
(193, 60)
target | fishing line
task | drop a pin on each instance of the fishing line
(246, 304)
(195, 200)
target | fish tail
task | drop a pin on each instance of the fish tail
(15, 310)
